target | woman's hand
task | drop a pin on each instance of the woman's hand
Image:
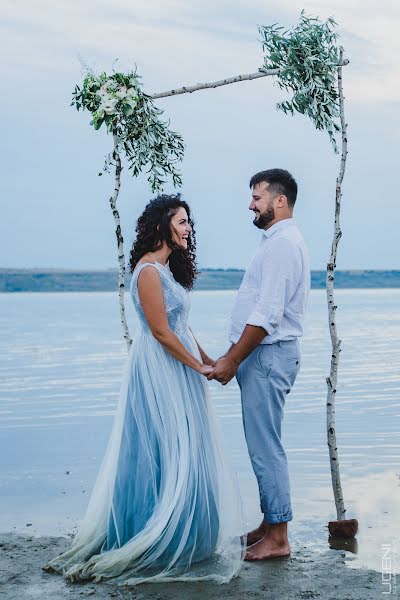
(210, 362)
(205, 370)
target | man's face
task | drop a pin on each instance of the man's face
(262, 205)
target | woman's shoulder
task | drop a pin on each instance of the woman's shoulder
(145, 263)
(149, 267)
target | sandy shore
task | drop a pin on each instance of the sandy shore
(305, 575)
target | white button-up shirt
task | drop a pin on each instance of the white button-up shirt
(275, 287)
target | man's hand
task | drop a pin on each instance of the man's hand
(224, 370)
(228, 364)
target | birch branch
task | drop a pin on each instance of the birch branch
(214, 84)
(336, 342)
(120, 240)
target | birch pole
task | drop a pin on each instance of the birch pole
(120, 240)
(336, 342)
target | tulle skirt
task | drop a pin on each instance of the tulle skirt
(165, 505)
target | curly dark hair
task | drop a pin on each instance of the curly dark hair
(154, 227)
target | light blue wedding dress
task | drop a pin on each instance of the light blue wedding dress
(165, 505)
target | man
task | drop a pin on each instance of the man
(265, 324)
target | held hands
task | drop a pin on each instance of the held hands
(205, 370)
(224, 370)
(207, 365)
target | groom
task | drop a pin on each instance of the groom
(265, 324)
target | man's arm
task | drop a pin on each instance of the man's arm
(227, 365)
(278, 276)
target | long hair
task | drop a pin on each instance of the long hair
(154, 227)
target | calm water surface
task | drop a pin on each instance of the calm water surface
(62, 357)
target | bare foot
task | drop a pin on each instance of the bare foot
(257, 534)
(273, 545)
(266, 549)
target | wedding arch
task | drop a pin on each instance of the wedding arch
(306, 61)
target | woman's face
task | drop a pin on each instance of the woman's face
(180, 228)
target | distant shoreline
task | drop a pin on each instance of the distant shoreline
(105, 280)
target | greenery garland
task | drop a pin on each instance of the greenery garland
(118, 102)
(308, 57)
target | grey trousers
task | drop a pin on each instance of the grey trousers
(264, 378)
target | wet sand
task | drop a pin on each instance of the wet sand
(304, 576)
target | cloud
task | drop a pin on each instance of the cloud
(176, 41)
(230, 133)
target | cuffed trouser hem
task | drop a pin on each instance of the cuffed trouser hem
(272, 518)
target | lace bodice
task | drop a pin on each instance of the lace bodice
(176, 299)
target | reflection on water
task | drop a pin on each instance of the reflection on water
(61, 361)
(374, 499)
(348, 544)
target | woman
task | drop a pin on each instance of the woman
(164, 506)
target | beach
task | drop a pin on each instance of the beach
(62, 356)
(303, 576)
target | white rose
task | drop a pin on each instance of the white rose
(111, 84)
(108, 106)
(122, 92)
(131, 97)
(104, 94)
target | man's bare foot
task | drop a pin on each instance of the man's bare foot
(257, 534)
(274, 544)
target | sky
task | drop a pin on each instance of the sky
(54, 206)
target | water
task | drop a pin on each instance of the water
(67, 280)
(62, 357)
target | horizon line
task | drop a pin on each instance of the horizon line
(115, 269)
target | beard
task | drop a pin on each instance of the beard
(264, 218)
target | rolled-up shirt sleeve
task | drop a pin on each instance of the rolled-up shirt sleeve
(280, 274)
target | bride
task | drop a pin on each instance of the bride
(164, 506)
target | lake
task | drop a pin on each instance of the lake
(62, 356)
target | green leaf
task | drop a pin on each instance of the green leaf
(307, 56)
(144, 137)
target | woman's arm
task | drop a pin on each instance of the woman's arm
(204, 356)
(152, 300)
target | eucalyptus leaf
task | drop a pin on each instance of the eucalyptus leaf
(307, 56)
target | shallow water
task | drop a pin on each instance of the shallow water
(62, 357)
